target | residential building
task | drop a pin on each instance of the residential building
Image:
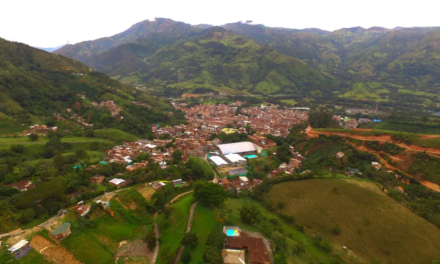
(62, 231)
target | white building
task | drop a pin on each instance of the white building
(235, 160)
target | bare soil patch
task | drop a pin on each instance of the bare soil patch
(138, 249)
(51, 252)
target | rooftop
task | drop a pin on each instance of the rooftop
(218, 161)
(234, 157)
(238, 147)
(61, 229)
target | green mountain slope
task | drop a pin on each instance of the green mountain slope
(35, 84)
(218, 59)
(167, 27)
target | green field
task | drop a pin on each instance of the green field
(289, 101)
(173, 233)
(203, 223)
(363, 91)
(373, 225)
(115, 134)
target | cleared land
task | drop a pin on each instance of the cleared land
(373, 225)
(52, 252)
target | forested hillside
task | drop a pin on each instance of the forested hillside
(34, 85)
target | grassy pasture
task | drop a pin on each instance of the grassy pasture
(203, 223)
(173, 233)
(115, 134)
(373, 225)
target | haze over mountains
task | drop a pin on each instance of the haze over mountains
(240, 58)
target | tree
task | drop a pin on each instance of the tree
(250, 214)
(216, 239)
(212, 255)
(209, 193)
(58, 161)
(27, 215)
(177, 156)
(89, 133)
(167, 254)
(336, 230)
(189, 240)
(17, 148)
(150, 239)
(222, 215)
(186, 256)
(33, 137)
(82, 155)
(280, 259)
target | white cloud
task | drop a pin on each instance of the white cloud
(47, 23)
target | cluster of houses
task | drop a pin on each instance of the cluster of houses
(111, 106)
(78, 119)
(262, 120)
(126, 152)
(40, 128)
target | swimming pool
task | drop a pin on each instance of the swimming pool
(251, 156)
(231, 232)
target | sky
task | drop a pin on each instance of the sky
(50, 23)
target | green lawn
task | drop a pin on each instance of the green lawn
(203, 223)
(115, 134)
(178, 219)
(373, 225)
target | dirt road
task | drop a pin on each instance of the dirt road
(51, 252)
(188, 228)
(381, 138)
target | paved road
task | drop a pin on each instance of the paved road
(188, 229)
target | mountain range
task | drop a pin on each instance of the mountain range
(375, 63)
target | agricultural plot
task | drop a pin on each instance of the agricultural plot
(372, 225)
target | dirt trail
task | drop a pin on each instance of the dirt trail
(156, 248)
(177, 197)
(430, 185)
(51, 252)
(188, 228)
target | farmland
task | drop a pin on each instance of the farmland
(373, 226)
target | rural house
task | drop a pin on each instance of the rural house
(61, 232)
(97, 179)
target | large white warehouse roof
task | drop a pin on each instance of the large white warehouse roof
(238, 147)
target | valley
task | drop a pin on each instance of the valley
(176, 143)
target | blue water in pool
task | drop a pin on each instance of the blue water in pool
(251, 156)
(230, 232)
